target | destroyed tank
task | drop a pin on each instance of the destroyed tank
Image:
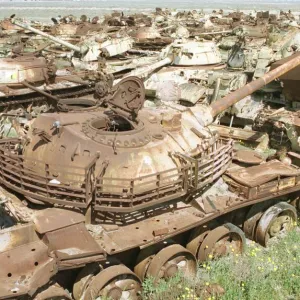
(120, 193)
(175, 66)
(149, 38)
(25, 78)
(272, 110)
(88, 53)
(68, 26)
(30, 85)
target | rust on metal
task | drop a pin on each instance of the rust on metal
(248, 89)
(122, 160)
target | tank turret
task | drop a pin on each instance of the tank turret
(16, 70)
(135, 140)
(90, 49)
(184, 54)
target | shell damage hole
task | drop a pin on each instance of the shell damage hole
(137, 227)
(9, 275)
(33, 250)
(36, 263)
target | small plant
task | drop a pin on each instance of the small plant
(260, 273)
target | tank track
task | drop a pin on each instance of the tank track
(34, 97)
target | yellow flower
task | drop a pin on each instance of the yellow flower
(210, 256)
(206, 283)
(208, 268)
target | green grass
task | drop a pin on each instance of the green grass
(259, 274)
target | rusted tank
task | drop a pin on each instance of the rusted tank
(87, 53)
(149, 38)
(156, 188)
(7, 25)
(30, 85)
(273, 109)
(75, 28)
(25, 78)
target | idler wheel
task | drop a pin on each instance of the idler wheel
(196, 238)
(252, 218)
(83, 279)
(171, 259)
(221, 241)
(143, 260)
(115, 282)
(276, 220)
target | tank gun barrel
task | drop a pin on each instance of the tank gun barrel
(229, 100)
(75, 48)
(143, 72)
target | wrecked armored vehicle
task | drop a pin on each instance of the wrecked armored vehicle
(89, 53)
(30, 85)
(159, 190)
(182, 60)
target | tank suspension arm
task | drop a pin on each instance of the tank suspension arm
(227, 101)
(75, 48)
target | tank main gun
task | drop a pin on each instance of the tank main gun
(82, 49)
(210, 112)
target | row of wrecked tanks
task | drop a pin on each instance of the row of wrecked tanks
(225, 52)
(129, 147)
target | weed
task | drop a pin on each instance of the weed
(260, 273)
